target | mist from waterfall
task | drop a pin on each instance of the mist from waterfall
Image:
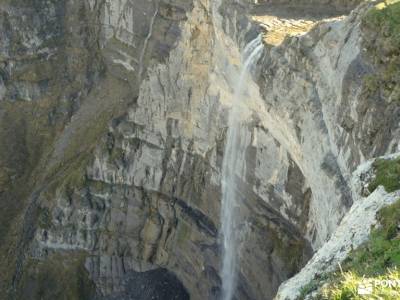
(233, 157)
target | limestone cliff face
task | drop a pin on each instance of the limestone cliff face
(316, 86)
(115, 115)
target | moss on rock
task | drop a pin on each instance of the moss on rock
(386, 15)
(387, 174)
(381, 28)
(44, 218)
(57, 277)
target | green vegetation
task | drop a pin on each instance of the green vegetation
(350, 282)
(371, 83)
(382, 251)
(386, 15)
(381, 33)
(310, 287)
(378, 258)
(44, 218)
(57, 277)
(26, 137)
(292, 251)
(387, 173)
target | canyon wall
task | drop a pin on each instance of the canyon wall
(113, 124)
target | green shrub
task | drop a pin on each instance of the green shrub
(387, 173)
(386, 16)
(381, 40)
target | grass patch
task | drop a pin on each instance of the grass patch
(348, 287)
(382, 251)
(381, 35)
(386, 15)
(387, 174)
(371, 83)
(378, 258)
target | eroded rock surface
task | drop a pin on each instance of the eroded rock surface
(115, 116)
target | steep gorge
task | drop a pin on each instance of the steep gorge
(114, 120)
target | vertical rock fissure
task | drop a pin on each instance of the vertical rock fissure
(146, 41)
(233, 157)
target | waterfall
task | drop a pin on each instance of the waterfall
(233, 157)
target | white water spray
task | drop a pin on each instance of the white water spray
(233, 157)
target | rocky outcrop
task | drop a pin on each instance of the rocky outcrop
(353, 231)
(335, 128)
(119, 110)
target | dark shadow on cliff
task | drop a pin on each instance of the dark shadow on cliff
(158, 284)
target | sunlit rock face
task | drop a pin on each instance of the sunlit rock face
(332, 119)
(123, 146)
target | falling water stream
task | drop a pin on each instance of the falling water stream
(231, 170)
